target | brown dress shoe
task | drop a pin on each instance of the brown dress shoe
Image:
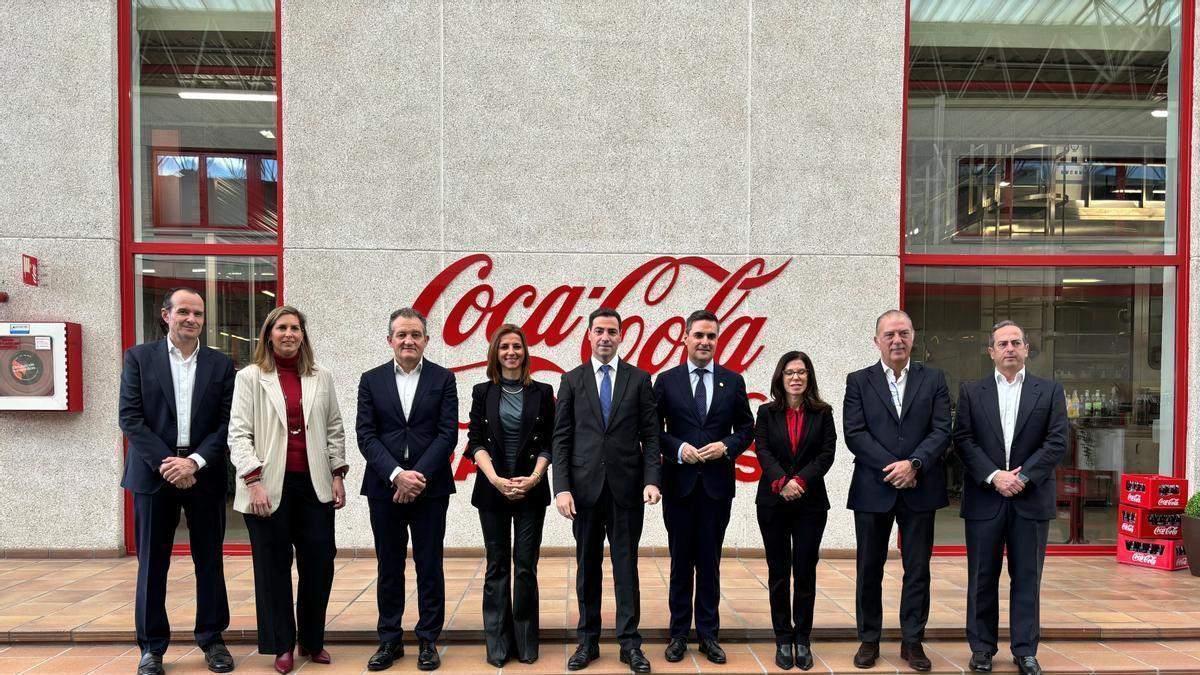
(866, 655)
(914, 653)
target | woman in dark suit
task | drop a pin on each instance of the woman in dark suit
(512, 420)
(794, 439)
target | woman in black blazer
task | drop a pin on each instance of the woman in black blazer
(794, 439)
(512, 421)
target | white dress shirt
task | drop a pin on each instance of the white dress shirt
(183, 380)
(694, 379)
(406, 387)
(1009, 396)
(612, 374)
(896, 384)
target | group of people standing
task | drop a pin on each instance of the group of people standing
(616, 442)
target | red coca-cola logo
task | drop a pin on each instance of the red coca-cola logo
(1173, 501)
(1147, 558)
(560, 314)
(1127, 527)
(1135, 497)
(1166, 530)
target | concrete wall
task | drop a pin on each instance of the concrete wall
(58, 202)
(572, 144)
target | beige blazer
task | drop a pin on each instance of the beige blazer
(258, 432)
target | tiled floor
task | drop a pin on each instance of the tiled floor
(75, 616)
(1082, 598)
(1170, 656)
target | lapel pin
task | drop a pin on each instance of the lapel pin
(720, 384)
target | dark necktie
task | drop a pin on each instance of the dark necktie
(605, 392)
(701, 394)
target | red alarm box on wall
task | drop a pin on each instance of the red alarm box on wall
(41, 366)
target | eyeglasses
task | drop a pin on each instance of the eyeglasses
(788, 374)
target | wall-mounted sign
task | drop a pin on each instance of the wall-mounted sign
(29, 270)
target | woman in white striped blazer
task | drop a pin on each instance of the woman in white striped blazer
(287, 443)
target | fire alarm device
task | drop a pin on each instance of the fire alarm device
(41, 366)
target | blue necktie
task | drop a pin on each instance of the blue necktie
(605, 393)
(701, 394)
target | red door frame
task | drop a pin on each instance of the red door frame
(130, 248)
(1177, 260)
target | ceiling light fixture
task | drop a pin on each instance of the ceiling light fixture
(221, 95)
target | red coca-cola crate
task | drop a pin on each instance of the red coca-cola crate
(1151, 491)
(1149, 523)
(1161, 554)
(1069, 483)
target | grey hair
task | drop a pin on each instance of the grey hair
(892, 312)
(408, 313)
(1004, 324)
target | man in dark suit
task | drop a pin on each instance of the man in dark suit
(897, 423)
(175, 398)
(1011, 432)
(407, 429)
(707, 423)
(606, 466)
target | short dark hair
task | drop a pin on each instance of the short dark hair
(408, 313)
(700, 315)
(812, 396)
(1005, 324)
(169, 299)
(604, 311)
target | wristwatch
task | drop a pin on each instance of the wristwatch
(916, 463)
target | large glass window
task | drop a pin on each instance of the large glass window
(203, 102)
(1043, 127)
(1106, 333)
(200, 170)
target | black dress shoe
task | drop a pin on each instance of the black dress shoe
(914, 653)
(151, 664)
(804, 657)
(497, 662)
(387, 654)
(218, 658)
(584, 654)
(784, 658)
(866, 655)
(713, 651)
(981, 662)
(427, 658)
(1027, 665)
(638, 663)
(675, 650)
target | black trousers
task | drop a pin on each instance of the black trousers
(792, 544)
(305, 524)
(872, 531)
(623, 528)
(391, 524)
(1025, 542)
(513, 542)
(155, 519)
(695, 533)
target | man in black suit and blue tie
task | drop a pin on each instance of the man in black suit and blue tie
(175, 398)
(707, 423)
(407, 429)
(1011, 432)
(606, 468)
(897, 423)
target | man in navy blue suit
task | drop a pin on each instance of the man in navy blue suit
(706, 422)
(896, 418)
(1011, 432)
(407, 429)
(175, 398)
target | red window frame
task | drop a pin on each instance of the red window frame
(130, 248)
(1177, 261)
(256, 220)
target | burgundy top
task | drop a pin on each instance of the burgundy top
(289, 381)
(795, 422)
